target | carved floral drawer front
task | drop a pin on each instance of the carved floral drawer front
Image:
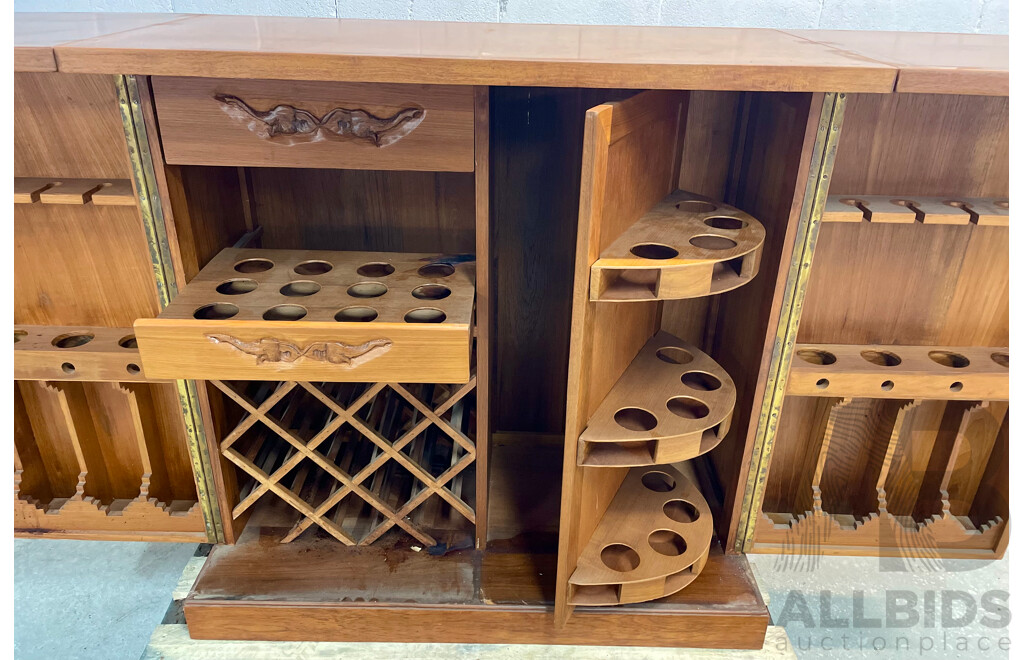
(266, 123)
(254, 314)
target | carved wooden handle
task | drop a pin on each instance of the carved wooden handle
(269, 349)
(296, 125)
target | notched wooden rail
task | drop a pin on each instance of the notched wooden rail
(927, 210)
(101, 192)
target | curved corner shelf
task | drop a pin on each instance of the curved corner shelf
(900, 372)
(671, 404)
(652, 541)
(83, 353)
(687, 246)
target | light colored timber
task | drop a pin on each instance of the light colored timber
(672, 403)
(687, 246)
(900, 372)
(324, 316)
(909, 209)
(211, 121)
(652, 541)
(74, 191)
(83, 353)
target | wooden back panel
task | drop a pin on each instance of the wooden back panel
(630, 162)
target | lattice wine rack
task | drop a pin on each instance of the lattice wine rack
(356, 459)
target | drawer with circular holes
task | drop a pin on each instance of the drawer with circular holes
(255, 314)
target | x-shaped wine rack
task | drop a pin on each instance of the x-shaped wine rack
(260, 412)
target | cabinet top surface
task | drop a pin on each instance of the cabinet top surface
(510, 53)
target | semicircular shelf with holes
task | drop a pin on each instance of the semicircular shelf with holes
(671, 404)
(653, 541)
(687, 246)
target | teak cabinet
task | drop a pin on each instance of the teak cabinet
(520, 348)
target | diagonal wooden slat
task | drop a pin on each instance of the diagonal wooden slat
(255, 413)
(434, 416)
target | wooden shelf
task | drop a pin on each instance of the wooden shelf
(652, 541)
(101, 192)
(671, 404)
(317, 589)
(897, 478)
(92, 460)
(312, 315)
(900, 372)
(79, 353)
(687, 246)
(356, 460)
(926, 210)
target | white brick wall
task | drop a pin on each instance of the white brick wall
(986, 16)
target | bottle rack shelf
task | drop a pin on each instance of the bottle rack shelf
(891, 476)
(652, 541)
(900, 372)
(254, 314)
(79, 353)
(926, 210)
(101, 192)
(672, 403)
(687, 246)
(356, 459)
(95, 458)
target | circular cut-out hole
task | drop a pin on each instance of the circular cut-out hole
(881, 358)
(888, 385)
(314, 267)
(659, 482)
(681, 511)
(1002, 204)
(356, 314)
(851, 201)
(19, 335)
(431, 292)
(725, 222)
(216, 311)
(72, 340)
(1002, 359)
(425, 315)
(654, 251)
(376, 269)
(635, 419)
(254, 265)
(284, 313)
(68, 368)
(956, 387)
(367, 290)
(236, 287)
(300, 288)
(674, 355)
(698, 380)
(949, 359)
(903, 202)
(687, 407)
(666, 542)
(956, 203)
(822, 383)
(816, 356)
(436, 270)
(620, 557)
(695, 206)
(133, 369)
(709, 242)
(129, 342)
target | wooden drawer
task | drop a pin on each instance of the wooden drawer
(306, 315)
(267, 123)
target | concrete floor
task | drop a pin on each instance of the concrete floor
(95, 600)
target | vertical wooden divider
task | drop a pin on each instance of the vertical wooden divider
(484, 309)
(107, 435)
(70, 431)
(826, 441)
(154, 482)
(631, 157)
(970, 456)
(898, 449)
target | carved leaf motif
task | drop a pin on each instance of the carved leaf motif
(296, 125)
(333, 352)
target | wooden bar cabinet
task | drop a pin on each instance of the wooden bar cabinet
(459, 332)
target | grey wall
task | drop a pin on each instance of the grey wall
(985, 16)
